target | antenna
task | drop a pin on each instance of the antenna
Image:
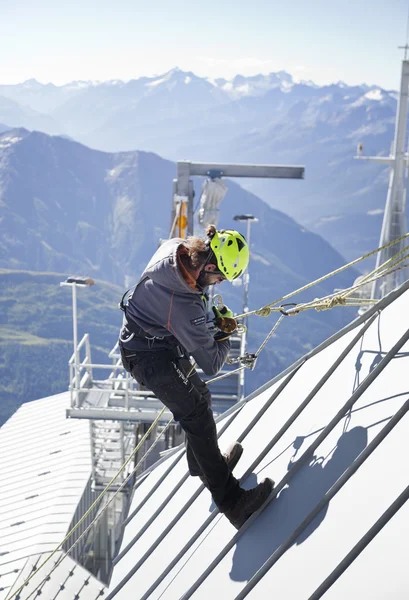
(394, 219)
(406, 46)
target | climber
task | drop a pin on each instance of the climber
(166, 322)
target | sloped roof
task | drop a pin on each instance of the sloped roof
(69, 580)
(45, 469)
(309, 430)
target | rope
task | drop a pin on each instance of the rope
(270, 335)
(342, 299)
(263, 311)
(332, 300)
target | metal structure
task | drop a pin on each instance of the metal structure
(46, 469)
(183, 192)
(394, 220)
(73, 283)
(118, 396)
(249, 219)
(213, 192)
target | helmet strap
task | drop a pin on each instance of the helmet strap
(210, 259)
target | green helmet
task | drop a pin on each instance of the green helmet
(231, 251)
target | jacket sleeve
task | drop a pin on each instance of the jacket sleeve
(211, 359)
(189, 325)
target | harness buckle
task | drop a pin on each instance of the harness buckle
(179, 352)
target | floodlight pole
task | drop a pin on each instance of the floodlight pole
(75, 336)
(73, 282)
(249, 219)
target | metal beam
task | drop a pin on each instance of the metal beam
(187, 168)
(304, 458)
(112, 414)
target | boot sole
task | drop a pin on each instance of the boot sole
(233, 462)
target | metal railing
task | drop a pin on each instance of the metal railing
(80, 372)
(118, 395)
(118, 384)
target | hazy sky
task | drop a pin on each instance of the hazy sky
(324, 40)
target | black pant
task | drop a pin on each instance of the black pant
(189, 400)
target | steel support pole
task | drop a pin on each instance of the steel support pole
(75, 337)
(246, 283)
(394, 220)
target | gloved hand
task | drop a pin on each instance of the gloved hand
(220, 336)
(224, 321)
(224, 311)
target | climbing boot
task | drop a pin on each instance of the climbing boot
(231, 456)
(249, 502)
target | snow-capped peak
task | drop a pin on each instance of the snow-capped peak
(255, 85)
(9, 140)
(375, 94)
(171, 78)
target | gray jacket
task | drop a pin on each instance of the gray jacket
(166, 307)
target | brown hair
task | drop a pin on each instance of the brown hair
(199, 253)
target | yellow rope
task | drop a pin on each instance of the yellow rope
(391, 262)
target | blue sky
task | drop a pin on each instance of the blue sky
(325, 41)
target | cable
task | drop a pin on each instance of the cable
(328, 275)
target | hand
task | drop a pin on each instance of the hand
(224, 311)
(220, 336)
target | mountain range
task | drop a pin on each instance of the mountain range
(68, 207)
(265, 118)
